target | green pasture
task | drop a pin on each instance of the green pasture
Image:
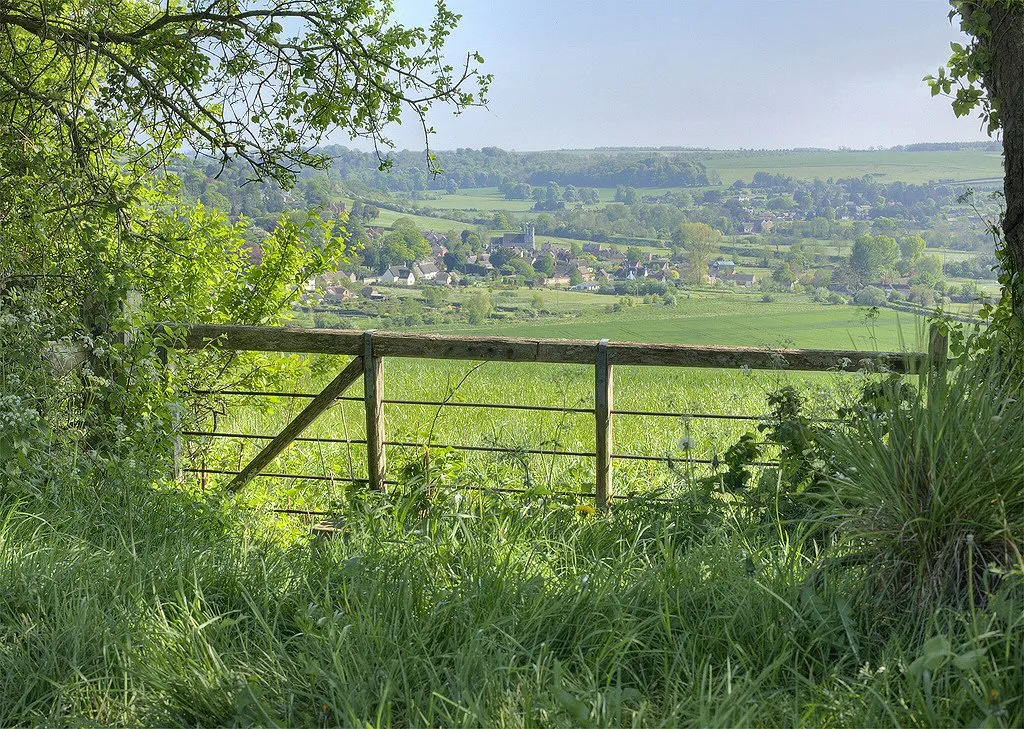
(914, 167)
(727, 318)
(438, 224)
(482, 199)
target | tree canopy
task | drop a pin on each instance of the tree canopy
(97, 97)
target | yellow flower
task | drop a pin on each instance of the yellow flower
(586, 510)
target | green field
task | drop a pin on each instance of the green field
(709, 318)
(706, 319)
(482, 199)
(915, 167)
(438, 224)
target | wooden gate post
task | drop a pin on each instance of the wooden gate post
(938, 348)
(163, 353)
(373, 396)
(603, 394)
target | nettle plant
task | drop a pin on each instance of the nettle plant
(793, 434)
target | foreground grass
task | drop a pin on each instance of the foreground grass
(138, 606)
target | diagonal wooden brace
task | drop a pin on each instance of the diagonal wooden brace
(302, 421)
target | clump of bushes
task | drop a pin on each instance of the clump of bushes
(929, 490)
(920, 490)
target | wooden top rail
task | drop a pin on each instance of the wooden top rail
(561, 351)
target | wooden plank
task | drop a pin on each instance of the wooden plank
(373, 397)
(564, 351)
(603, 397)
(817, 360)
(302, 421)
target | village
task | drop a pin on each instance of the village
(591, 267)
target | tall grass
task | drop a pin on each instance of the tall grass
(125, 601)
(931, 493)
(154, 607)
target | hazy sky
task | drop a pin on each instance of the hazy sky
(720, 73)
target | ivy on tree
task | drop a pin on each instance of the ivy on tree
(987, 75)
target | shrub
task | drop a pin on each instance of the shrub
(870, 296)
(931, 489)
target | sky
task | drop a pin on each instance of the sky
(722, 74)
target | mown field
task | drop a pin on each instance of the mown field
(482, 199)
(915, 167)
(735, 319)
(705, 316)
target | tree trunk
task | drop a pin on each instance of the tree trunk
(1006, 86)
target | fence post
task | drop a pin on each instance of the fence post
(938, 348)
(163, 353)
(603, 394)
(373, 397)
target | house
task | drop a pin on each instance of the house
(425, 270)
(743, 279)
(720, 270)
(561, 276)
(398, 275)
(448, 278)
(527, 239)
(585, 272)
(336, 278)
(372, 294)
(633, 272)
(338, 294)
(436, 239)
(586, 286)
(483, 260)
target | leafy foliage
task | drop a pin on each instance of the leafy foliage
(96, 99)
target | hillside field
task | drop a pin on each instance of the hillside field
(711, 318)
(916, 167)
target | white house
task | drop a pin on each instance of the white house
(398, 275)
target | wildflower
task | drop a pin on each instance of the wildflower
(586, 510)
(994, 696)
(686, 443)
